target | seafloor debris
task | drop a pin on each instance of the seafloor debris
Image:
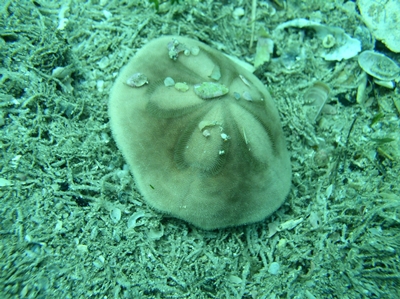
(336, 44)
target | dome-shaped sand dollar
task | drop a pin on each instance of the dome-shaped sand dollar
(214, 162)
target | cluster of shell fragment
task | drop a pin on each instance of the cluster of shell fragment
(175, 48)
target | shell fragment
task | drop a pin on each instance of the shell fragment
(216, 73)
(137, 80)
(210, 90)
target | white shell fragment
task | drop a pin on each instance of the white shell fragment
(290, 224)
(169, 82)
(378, 66)
(209, 90)
(137, 80)
(216, 73)
(115, 215)
(336, 44)
(264, 49)
(247, 96)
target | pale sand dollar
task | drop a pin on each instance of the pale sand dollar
(212, 158)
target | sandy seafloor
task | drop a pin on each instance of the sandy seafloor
(62, 176)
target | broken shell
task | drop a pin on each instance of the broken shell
(209, 90)
(181, 86)
(137, 80)
(378, 66)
